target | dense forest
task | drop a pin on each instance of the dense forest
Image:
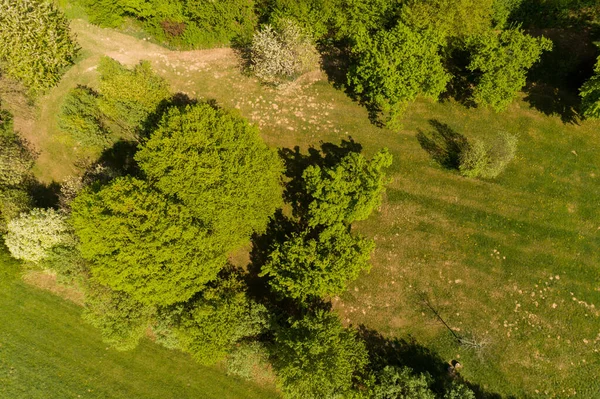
(148, 234)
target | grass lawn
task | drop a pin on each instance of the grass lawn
(46, 351)
(511, 264)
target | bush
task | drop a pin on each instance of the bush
(590, 94)
(282, 53)
(250, 361)
(13, 202)
(394, 382)
(488, 160)
(36, 44)
(80, 116)
(16, 160)
(33, 235)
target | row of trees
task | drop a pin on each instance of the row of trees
(150, 247)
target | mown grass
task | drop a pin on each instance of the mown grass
(46, 351)
(512, 264)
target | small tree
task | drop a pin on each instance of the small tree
(16, 160)
(80, 116)
(33, 235)
(500, 63)
(392, 67)
(282, 53)
(129, 96)
(306, 266)
(316, 357)
(488, 160)
(122, 321)
(347, 192)
(401, 383)
(590, 94)
(36, 44)
(14, 201)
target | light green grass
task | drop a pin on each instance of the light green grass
(485, 253)
(46, 351)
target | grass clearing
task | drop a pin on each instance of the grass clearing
(511, 263)
(46, 351)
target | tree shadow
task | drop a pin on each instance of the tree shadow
(443, 144)
(408, 353)
(43, 195)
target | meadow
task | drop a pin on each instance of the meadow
(510, 265)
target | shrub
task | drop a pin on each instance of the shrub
(485, 160)
(13, 202)
(590, 94)
(282, 53)
(250, 361)
(80, 116)
(16, 160)
(33, 235)
(394, 382)
(36, 44)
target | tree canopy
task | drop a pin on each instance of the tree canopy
(590, 94)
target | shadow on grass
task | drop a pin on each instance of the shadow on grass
(443, 144)
(44, 195)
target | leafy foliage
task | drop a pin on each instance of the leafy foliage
(36, 44)
(306, 266)
(250, 361)
(121, 320)
(488, 160)
(212, 323)
(143, 244)
(590, 94)
(392, 67)
(13, 202)
(316, 357)
(503, 10)
(218, 167)
(347, 192)
(282, 53)
(33, 235)
(314, 16)
(80, 116)
(459, 391)
(129, 96)
(15, 158)
(501, 62)
(401, 383)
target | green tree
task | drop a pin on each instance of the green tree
(80, 116)
(500, 63)
(216, 164)
(213, 322)
(129, 96)
(401, 383)
(36, 44)
(459, 391)
(346, 192)
(306, 266)
(16, 160)
(144, 244)
(33, 235)
(122, 321)
(590, 94)
(392, 67)
(316, 357)
(488, 159)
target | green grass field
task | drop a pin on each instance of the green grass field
(512, 264)
(46, 351)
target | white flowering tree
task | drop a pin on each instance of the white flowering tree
(32, 235)
(282, 52)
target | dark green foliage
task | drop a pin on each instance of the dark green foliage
(401, 383)
(121, 320)
(307, 266)
(143, 244)
(13, 202)
(365, 16)
(210, 325)
(392, 67)
(316, 357)
(81, 117)
(36, 44)
(500, 62)
(347, 192)
(459, 391)
(129, 96)
(314, 16)
(217, 166)
(503, 10)
(590, 94)
(488, 159)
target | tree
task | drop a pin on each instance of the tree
(144, 244)
(316, 357)
(80, 116)
(13, 202)
(392, 67)
(122, 321)
(129, 96)
(213, 322)
(33, 235)
(459, 391)
(215, 164)
(306, 266)
(346, 192)
(16, 160)
(590, 94)
(500, 63)
(282, 53)
(36, 44)
(314, 16)
(401, 383)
